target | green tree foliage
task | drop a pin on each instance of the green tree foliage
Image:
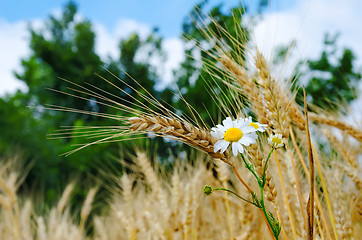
(332, 80)
(65, 48)
(193, 78)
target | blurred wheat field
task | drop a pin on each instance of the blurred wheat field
(149, 204)
(177, 209)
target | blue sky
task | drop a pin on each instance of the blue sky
(165, 14)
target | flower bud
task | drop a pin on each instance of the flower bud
(208, 190)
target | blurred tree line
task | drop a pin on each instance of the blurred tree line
(65, 48)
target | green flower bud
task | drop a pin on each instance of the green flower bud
(208, 190)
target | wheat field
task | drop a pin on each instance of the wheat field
(311, 195)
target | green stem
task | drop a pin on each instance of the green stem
(265, 167)
(227, 190)
(276, 235)
(250, 167)
(261, 183)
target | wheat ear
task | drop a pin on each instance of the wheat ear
(248, 85)
(181, 131)
(274, 97)
(65, 197)
(86, 208)
(318, 118)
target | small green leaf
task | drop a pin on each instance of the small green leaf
(256, 200)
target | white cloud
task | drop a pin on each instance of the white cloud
(107, 45)
(107, 41)
(307, 22)
(125, 27)
(14, 38)
(14, 46)
(175, 55)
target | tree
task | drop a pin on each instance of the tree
(192, 78)
(65, 47)
(332, 79)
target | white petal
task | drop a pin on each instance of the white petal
(228, 122)
(247, 140)
(261, 127)
(225, 146)
(216, 133)
(252, 135)
(240, 147)
(221, 128)
(234, 147)
(242, 123)
(221, 145)
(247, 121)
(221, 134)
(248, 129)
(217, 145)
(244, 141)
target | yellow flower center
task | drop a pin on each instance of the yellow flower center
(276, 140)
(254, 125)
(233, 135)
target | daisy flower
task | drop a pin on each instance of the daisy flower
(276, 141)
(238, 133)
(258, 126)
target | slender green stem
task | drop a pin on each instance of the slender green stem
(261, 186)
(261, 183)
(263, 206)
(265, 166)
(276, 235)
(253, 195)
(228, 190)
(250, 167)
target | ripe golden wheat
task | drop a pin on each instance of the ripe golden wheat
(156, 206)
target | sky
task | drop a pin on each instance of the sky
(305, 21)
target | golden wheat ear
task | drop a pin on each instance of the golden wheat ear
(182, 131)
